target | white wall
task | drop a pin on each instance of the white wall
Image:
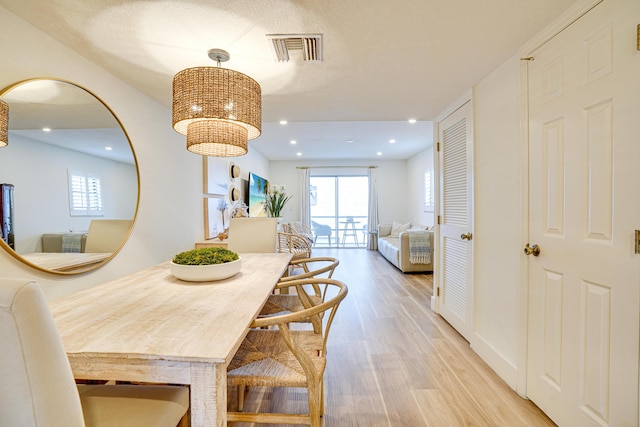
(497, 161)
(39, 173)
(170, 215)
(393, 192)
(417, 166)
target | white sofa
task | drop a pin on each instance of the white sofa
(393, 244)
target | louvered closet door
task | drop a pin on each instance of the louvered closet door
(456, 288)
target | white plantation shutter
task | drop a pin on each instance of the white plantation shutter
(428, 191)
(85, 194)
(94, 194)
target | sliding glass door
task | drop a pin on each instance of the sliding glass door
(339, 206)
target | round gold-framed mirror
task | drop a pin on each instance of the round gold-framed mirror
(69, 178)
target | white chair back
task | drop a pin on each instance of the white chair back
(106, 235)
(37, 387)
(252, 235)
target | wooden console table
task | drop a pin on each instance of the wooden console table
(151, 327)
(211, 243)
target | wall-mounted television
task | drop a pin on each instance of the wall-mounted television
(258, 188)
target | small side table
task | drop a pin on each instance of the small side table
(350, 231)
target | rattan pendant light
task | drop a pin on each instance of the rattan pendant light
(218, 109)
(4, 124)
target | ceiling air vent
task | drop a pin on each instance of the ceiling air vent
(307, 45)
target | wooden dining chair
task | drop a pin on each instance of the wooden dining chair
(294, 244)
(286, 302)
(282, 357)
(38, 388)
(298, 227)
(287, 228)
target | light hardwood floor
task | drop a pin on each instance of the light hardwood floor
(394, 362)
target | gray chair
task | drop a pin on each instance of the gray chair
(321, 230)
(38, 388)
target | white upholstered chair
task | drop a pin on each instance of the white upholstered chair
(252, 235)
(38, 388)
(106, 235)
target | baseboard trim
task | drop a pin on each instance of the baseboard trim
(496, 361)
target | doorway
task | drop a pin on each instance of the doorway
(339, 210)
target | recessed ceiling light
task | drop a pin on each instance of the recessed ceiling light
(379, 153)
(108, 148)
(298, 154)
(412, 121)
(293, 142)
(46, 129)
(349, 141)
(392, 141)
(283, 122)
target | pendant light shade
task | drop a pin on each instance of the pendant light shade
(218, 109)
(4, 123)
(219, 139)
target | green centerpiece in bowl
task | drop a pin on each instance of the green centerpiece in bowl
(205, 264)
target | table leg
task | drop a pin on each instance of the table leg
(350, 232)
(355, 233)
(208, 395)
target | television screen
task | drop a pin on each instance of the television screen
(258, 187)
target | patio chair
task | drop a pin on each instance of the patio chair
(321, 230)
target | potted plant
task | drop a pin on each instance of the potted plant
(205, 264)
(276, 200)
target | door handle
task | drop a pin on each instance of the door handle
(466, 236)
(532, 250)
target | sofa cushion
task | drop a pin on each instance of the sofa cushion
(397, 228)
(389, 248)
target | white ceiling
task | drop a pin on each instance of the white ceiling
(383, 61)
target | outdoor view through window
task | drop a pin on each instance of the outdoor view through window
(339, 207)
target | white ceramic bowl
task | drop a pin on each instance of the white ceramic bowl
(205, 273)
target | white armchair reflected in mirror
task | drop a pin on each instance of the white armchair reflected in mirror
(70, 162)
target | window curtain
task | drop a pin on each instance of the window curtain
(372, 227)
(305, 210)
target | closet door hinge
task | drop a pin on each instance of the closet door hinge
(437, 146)
(437, 292)
(438, 219)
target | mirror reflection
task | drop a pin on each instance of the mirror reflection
(69, 178)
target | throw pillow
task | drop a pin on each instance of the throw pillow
(397, 228)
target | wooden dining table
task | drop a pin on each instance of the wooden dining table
(65, 261)
(150, 327)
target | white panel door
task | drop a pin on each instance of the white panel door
(456, 220)
(584, 149)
